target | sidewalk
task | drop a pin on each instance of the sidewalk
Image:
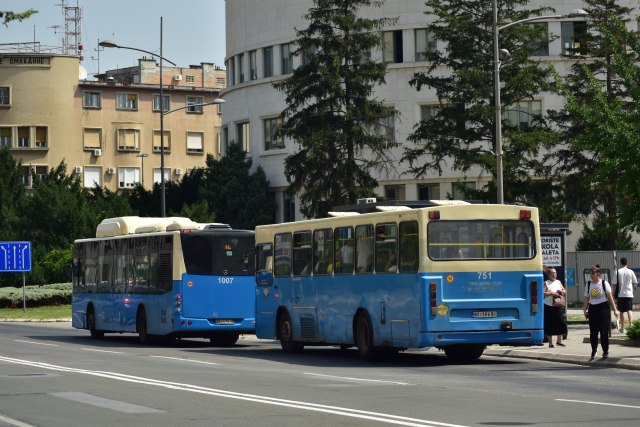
(623, 353)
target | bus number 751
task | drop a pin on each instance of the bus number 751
(484, 275)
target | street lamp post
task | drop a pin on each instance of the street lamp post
(142, 156)
(496, 72)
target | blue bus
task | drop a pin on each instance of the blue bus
(166, 277)
(457, 277)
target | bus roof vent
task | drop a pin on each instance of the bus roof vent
(393, 208)
(367, 200)
(119, 226)
(180, 223)
(449, 202)
(342, 213)
(215, 226)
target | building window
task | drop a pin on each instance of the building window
(243, 135)
(26, 176)
(156, 141)
(41, 172)
(126, 101)
(42, 136)
(287, 58)
(195, 142)
(524, 114)
(5, 96)
(190, 79)
(461, 188)
(428, 191)
(220, 81)
(308, 54)
(425, 43)
(24, 136)
(224, 139)
(394, 192)
(540, 45)
(392, 51)
(195, 104)
(241, 67)
(92, 99)
(156, 175)
(289, 210)
(128, 177)
(270, 128)
(6, 137)
(92, 176)
(92, 138)
(128, 139)
(165, 104)
(253, 65)
(267, 61)
(573, 38)
(385, 127)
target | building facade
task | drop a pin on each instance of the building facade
(258, 52)
(107, 130)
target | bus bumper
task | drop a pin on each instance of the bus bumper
(509, 338)
(191, 326)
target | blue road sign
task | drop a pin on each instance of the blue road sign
(15, 257)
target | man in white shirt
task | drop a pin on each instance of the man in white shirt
(627, 282)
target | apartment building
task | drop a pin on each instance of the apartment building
(106, 128)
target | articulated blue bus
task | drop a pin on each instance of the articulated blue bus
(457, 277)
(167, 277)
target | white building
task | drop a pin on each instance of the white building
(258, 33)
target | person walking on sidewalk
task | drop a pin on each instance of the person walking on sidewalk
(597, 306)
(627, 282)
(554, 323)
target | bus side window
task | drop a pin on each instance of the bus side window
(387, 248)
(283, 254)
(364, 248)
(323, 251)
(302, 253)
(409, 247)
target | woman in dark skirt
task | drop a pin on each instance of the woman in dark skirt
(554, 318)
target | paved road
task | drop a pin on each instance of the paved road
(53, 375)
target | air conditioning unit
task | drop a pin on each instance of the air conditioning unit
(97, 152)
(177, 77)
(111, 171)
(77, 169)
(179, 171)
(367, 200)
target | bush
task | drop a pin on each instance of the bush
(36, 295)
(633, 331)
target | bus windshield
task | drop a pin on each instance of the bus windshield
(218, 254)
(481, 239)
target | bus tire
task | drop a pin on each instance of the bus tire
(91, 324)
(285, 333)
(364, 337)
(141, 327)
(224, 339)
(465, 352)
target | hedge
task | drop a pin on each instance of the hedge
(36, 295)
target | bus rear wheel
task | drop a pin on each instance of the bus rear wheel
(285, 333)
(141, 327)
(224, 339)
(464, 352)
(91, 324)
(364, 338)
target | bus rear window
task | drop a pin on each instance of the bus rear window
(497, 239)
(219, 254)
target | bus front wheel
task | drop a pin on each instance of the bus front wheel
(364, 338)
(285, 333)
(141, 327)
(464, 352)
(91, 324)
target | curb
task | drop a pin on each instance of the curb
(36, 320)
(611, 362)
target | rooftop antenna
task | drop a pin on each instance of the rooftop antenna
(71, 41)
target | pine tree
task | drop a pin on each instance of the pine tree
(332, 114)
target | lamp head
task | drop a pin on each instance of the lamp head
(107, 43)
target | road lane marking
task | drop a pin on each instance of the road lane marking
(185, 360)
(12, 422)
(618, 405)
(101, 402)
(103, 351)
(307, 406)
(37, 343)
(355, 379)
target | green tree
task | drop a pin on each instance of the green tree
(597, 149)
(12, 196)
(459, 132)
(9, 16)
(237, 196)
(331, 113)
(596, 237)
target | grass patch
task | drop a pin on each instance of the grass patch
(37, 313)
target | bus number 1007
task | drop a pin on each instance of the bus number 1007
(225, 280)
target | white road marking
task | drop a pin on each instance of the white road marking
(12, 422)
(336, 410)
(101, 402)
(103, 351)
(599, 403)
(185, 360)
(35, 342)
(355, 379)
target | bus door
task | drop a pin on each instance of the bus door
(267, 294)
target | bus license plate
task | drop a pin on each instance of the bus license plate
(484, 314)
(224, 322)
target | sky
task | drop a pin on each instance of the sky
(193, 30)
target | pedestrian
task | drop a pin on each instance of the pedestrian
(627, 282)
(554, 323)
(598, 303)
